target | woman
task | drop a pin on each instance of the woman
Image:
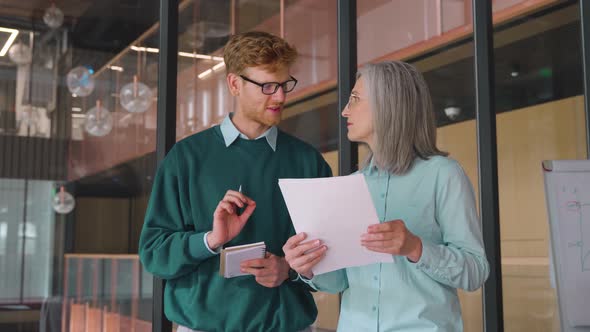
(426, 208)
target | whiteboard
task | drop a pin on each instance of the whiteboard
(567, 191)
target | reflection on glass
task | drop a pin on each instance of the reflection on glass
(136, 97)
(26, 240)
(105, 292)
(198, 32)
(80, 81)
(53, 17)
(456, 133)
(435, 22)
(63, 201)
(202, 93)
(99, 121)
(539, 116)
(51, 75)
(20, 53)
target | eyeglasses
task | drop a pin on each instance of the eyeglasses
(352, 100)
(269, 88)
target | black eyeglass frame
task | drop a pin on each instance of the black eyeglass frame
(276, 84)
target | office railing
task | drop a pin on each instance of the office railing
(105, 293)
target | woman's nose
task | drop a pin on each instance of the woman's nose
(345, 112)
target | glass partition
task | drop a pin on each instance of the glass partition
(105, 293)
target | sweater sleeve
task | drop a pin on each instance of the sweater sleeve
(167, 247)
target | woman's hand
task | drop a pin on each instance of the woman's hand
(302, 257)
(393, 238)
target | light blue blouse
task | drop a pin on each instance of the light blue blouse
(436, 202)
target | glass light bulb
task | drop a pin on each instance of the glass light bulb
(99, 121)
(20, 54)
(136, 97)
(63, 202)
(53, 17)
(80, 81)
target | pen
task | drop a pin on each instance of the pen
(240, 210)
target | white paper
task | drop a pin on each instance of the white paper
(337, 211)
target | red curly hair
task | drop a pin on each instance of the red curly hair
(257, 48)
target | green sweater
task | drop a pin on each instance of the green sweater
(189, 184)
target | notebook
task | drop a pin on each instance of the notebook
(232, 257)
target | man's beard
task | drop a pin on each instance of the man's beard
(264, 118)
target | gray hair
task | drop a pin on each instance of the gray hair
(403, 115)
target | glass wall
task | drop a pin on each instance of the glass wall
(78, 90)
(435, 37)
(76, 159)
(450, 78)
(26, 242)
(203, 96)
(105, 293)
(540, 116)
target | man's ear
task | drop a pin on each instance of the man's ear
(234, 84)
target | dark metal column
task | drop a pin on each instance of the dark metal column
(166, 130)
(347, 66)
(585, 29)
(488, 161)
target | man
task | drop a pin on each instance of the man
(196, 206)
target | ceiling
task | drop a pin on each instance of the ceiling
(97, 29)
(30, 11)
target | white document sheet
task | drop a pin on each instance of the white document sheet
(337, 211)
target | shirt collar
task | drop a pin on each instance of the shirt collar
(231, 133)
(371, 168)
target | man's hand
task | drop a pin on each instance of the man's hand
(269, 272)
(302, 257)
(227, 224)
(393, 238)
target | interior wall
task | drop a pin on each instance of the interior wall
(102, 225)
(525, 138)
